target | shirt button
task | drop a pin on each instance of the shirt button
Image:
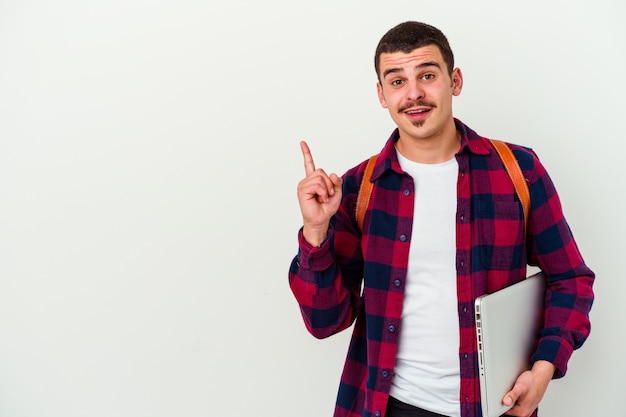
(403, 238)
(462, 263)
(465, 355)
(407, 192)
(392, 329)
(465, 309)
(377, 413)
(385, 374)
(462, 217)
(397, 283)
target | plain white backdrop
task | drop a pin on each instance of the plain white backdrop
(148, 167)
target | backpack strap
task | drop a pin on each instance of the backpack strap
(365, 191)
(515, 173)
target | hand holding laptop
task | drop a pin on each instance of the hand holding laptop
(529, 389)
(507, 329)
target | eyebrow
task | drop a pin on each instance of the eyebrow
(417, 67)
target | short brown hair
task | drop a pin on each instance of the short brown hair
(409, 36)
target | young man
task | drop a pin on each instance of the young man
(443, 226)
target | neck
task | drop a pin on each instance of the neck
(431, 150)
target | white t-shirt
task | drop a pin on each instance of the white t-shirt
(427, 371)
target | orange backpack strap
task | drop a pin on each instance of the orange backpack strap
(365, 192)
(515, 173)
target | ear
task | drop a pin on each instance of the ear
(457, 82)
(381, 96)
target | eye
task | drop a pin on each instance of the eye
(396, 82)
(428, 76)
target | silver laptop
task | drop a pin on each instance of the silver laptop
(507, 326)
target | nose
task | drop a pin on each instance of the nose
(414, 91)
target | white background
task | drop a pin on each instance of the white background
(148, 167)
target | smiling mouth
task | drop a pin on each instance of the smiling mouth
(417, 115)
(418, 111)
(416, 108)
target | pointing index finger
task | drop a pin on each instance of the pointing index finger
(309, 165)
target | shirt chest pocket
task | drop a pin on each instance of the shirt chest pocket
(498, 234)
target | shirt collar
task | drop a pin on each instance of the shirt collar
(470, 142)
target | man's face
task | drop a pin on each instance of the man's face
(417, 90)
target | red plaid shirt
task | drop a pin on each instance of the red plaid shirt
(361, 276)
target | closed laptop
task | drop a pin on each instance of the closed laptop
(507, 329)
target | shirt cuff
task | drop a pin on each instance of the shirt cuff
(316, 258)
(556, 351)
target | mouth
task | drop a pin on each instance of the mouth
(416, 113)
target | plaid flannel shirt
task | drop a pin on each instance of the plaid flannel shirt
(354, 276)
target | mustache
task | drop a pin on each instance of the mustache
(419, 103)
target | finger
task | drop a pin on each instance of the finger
(313, 186)
(330, 181)
(321, 185)
(309, 165)
(336, 183)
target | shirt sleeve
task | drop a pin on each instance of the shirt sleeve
(569, 294)
(326, 280)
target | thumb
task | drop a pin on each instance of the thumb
(510, 398)
(337, 181)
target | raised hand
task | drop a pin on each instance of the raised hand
(319, 196)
